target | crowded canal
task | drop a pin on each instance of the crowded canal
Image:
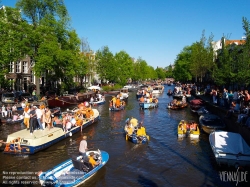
(164, 161)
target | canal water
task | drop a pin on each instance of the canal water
(164, 161)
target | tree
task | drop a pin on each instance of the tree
(13, 43)
(161, 74)
(124, 65)
(245, 66)
(181, 71)
(52, 44)
(106, 67)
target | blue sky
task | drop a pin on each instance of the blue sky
(155, 30)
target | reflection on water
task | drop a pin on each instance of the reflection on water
(165, 161)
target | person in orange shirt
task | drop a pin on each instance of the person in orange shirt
(142, 99)
(92, 160)
(118, 103)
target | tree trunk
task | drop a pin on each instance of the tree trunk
(37, 82)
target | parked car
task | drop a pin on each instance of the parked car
(25, 95)
(8, 97)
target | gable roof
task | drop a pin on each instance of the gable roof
(237, 42)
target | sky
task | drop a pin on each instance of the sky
(153, 30)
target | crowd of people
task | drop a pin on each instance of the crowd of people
(235, 101)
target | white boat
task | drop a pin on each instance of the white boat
(22, 142)
(74, 171)
(124, 93)
(229, 149)
(100, 102)
(158, 90)
(148, 105)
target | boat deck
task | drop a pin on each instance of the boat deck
(70, 176)
(36, 134)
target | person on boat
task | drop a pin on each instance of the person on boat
(33, 120)
(193, 126)
(86, 104)
(134, 122)
(92, 160)
(4, 112)
(23, 104)
(129, 129)
(9, 111)
(118, 103)
(123, 103)
(83, 146)
(14, 108)
(42, 108)
(113, 101)
(182, 125)
(155, 100)
(39, 114)
(141, 131)
(15, 116)
(142, 99)
(68, 125)
(64, 121)
(91, 100)
(47, 117)
(26, 115)
(73, 121)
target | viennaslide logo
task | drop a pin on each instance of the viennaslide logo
(234, 176)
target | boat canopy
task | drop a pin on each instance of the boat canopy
(229, 142)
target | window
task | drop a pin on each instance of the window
(12, 67)
(18, 67)
(31, 77)
(25, 67)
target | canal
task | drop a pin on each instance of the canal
(164, 161)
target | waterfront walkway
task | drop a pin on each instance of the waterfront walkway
(232, 126)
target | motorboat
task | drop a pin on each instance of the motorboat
(230, 149)
(158, 89)
(185, 129)
(202, 111)
(144, 105)
(74, 171)
(117, 108)
(211, 122)
(196, 104)
(22, 142)
(177, 106)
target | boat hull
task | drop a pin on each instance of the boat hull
(97, 103)
(148, 105)
(30, 144)
(177, 107)
(210, 123)
(117, 109)
(69, 100)
(136, 140)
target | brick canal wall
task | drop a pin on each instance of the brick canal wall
(231, 124)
